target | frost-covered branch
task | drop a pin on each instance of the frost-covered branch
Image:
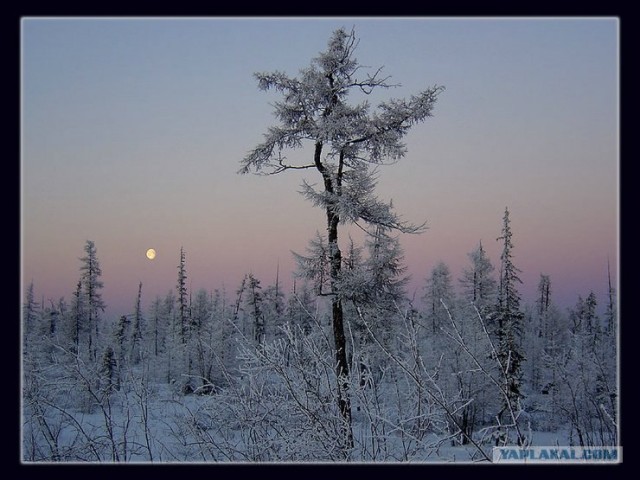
(446, 408)
(503, 369)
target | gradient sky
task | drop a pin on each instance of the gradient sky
(133, 129)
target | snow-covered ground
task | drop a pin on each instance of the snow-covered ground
(167, 426)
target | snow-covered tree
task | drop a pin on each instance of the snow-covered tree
(274, 309)
(121, 339)
(181, 288)
(224, 343)
(372, 286)
(347, 140)
(544, 295)
(354, 282)
(584, 373)
(254, 309)
(439, 294)
(608, 386)
(30, 317)
(77, 317)
(610, 313)
(109, 376)
(478, 284)
(200, 311)
(301, 307)
(159, 336)
(173, 346)
(92, 286)
(202, 344)
(508, 320)
(315, 265)
(137, 327)
(249, 311)
(155, 335)
(467, 382)
(545, 340)
(534, 337)
(385, 269)
(585, 321)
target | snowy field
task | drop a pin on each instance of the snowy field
(174, 429)
(257, 419)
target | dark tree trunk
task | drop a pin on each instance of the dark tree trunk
(342, 365)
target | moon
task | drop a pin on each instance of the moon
(151, 254)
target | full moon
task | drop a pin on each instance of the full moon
(151, 254)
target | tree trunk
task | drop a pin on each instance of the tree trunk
(342, 365)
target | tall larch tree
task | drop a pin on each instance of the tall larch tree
(92, 287)
(508, 323)
(254, 310)
(137, 328)
(346, 142)
(182, 296)
(77, 316)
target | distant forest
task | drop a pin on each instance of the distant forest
(250, 375)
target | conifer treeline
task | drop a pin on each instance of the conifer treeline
(498, 365)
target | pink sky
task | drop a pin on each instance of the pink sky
(138, 147)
